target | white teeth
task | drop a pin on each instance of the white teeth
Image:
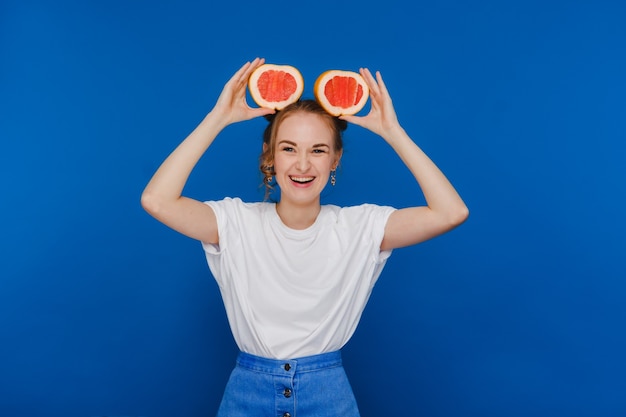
(302, 179)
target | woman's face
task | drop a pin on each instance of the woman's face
(304, 155)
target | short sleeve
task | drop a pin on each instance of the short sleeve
(228, 225)
(374, 219)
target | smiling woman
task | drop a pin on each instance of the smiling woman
(320, 261)
(301, 155)
(332, 146)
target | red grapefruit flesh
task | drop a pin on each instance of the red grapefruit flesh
(275, 86)
(341, 92)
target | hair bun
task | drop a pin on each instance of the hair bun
(341, 124)
(270, 117)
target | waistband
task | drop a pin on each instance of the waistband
(289, 366)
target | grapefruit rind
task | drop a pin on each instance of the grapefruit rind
(355, 102)
(288, 70)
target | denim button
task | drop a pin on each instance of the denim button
(286, 415)
(287, 393)
(287, 367)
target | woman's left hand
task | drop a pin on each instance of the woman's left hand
(382, 118)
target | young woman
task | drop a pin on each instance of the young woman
(295, 275)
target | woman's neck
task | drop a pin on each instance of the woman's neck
(297, 217)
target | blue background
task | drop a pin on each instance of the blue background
(520, 311)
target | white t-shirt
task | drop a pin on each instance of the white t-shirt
(292, 293)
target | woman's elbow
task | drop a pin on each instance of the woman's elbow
(150, 203)
(459, 215)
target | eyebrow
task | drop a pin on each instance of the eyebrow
(317, 145)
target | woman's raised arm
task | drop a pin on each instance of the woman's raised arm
(162, 197)
(444, 208)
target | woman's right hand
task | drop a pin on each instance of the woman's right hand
(231, 106)
(162, 197)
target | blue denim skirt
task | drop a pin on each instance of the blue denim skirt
(313, 386)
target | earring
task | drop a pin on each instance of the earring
(268, 170)
(333, 180)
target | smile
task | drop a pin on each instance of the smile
(301, 180)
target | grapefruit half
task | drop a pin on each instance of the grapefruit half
(341, 92)
(275, 86)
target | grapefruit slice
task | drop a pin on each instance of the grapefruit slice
(341, 92)
(275, 86)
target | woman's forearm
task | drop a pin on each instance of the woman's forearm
(439, 193)
(169, 180)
